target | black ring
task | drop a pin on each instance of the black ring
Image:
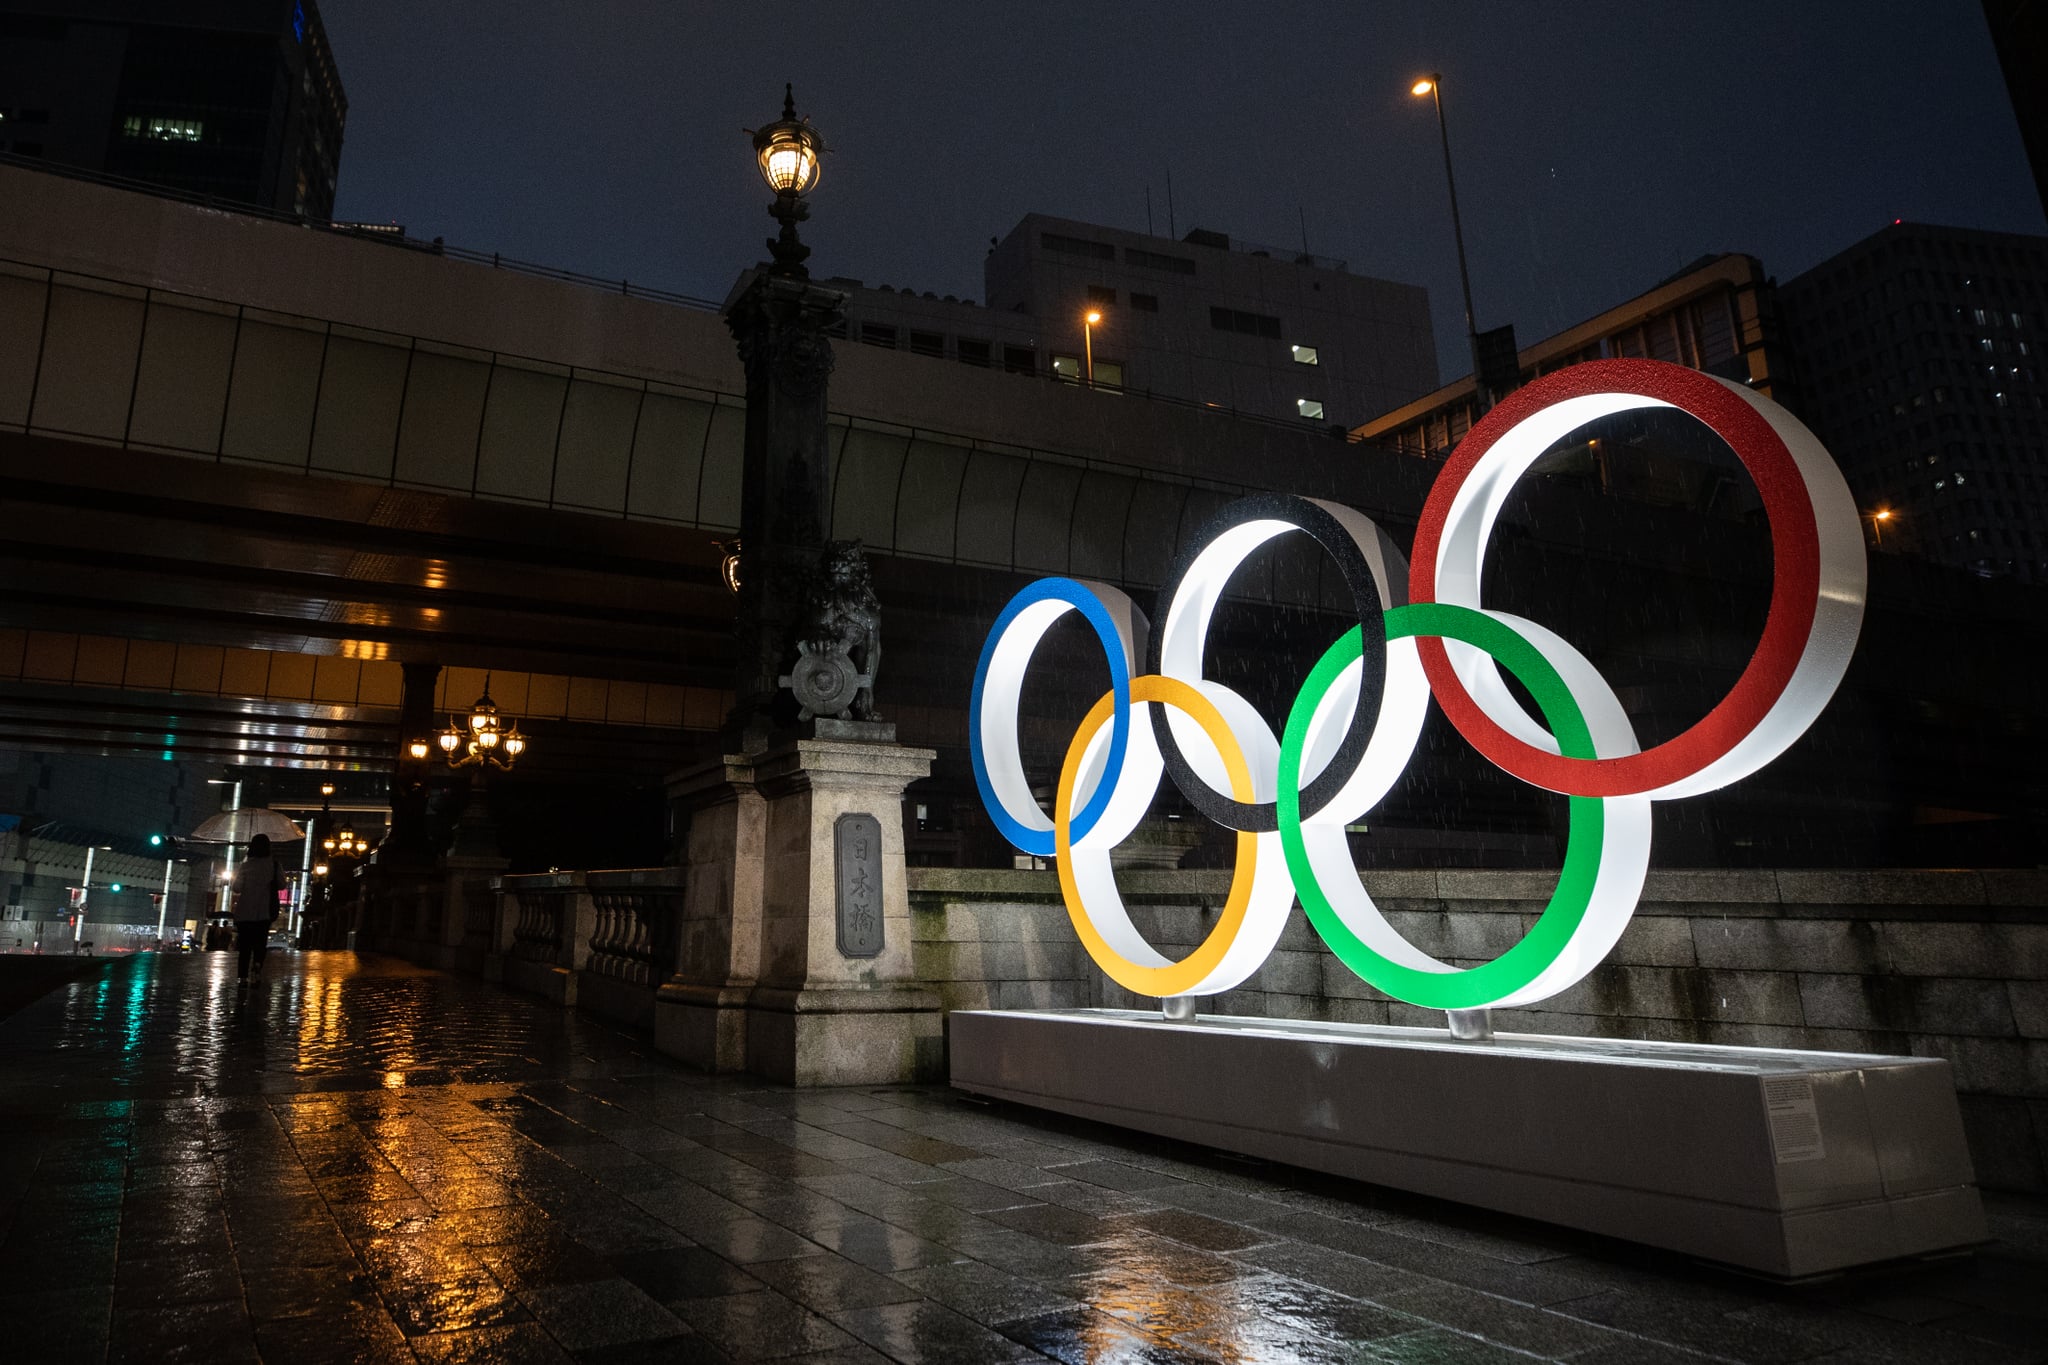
(1320, 526)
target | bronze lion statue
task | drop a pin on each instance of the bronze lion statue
(838, 637)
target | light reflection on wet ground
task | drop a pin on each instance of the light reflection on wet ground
(361, 1160)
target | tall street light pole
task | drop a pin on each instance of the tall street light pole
(1432, 85)
(781, 323)
(1088, 322)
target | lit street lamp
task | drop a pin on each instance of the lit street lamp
(484, 739)
(1877, 521)
(1432, 85)
(1088, 323)
(787, 150)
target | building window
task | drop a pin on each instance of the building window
(1145, 303)
(1102, 296)
(1309, 408)
(878, 334)
(1153, 260)
(162, 129)
(1305, 355)
(1076, 246)
(1109, 374)
(1020, 360)
(1250, 324)
(973, 352)
(927, 343)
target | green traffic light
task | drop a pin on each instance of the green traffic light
(156, 841)
(115, 887)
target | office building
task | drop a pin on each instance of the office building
(1208, 320)
(225, 99)
(1718, 315)
(1921, 369)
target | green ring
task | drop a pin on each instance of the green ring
(1471, 987)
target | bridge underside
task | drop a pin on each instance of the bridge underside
(225, 611)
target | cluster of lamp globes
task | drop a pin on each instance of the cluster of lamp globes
(482, 737)
(343, 843)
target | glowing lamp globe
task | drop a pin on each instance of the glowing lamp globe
(788, 151)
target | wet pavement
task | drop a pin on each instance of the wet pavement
(359, 1160)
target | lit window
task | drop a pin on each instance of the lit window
(1309, 408)
(162, 129)
(1305, 355)
(1109, 374)
(1067, 367)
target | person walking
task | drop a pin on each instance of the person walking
(257, 887)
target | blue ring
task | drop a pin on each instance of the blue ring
(1076, 595)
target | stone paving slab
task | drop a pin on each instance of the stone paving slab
(360, 1160)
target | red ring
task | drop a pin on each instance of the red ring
(1795, 589)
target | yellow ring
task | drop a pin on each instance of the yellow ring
(1183, 977)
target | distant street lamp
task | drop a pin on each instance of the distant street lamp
(1432, 85)
(1088, 323)
(222, 907)
(78, 921)
(1877, 521)
(788, 153)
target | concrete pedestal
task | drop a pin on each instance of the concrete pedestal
(1791, 1164)
(764, 980)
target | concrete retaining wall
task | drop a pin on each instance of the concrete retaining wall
(1927, 963)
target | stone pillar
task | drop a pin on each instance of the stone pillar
(786, 486)
(409, 844)
(700, 1013)
(837, 1002)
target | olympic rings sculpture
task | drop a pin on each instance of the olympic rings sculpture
(1422, 633)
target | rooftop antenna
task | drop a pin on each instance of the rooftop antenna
(1302, 214)
(1171, 231)
(1148, 213)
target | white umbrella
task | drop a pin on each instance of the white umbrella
(240, 826)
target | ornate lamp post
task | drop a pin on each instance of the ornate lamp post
(780, 323)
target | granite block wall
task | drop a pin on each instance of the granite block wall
(1928, 963)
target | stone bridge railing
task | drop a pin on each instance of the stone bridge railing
(1934, 963)
(604, 941)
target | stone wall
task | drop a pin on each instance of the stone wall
(1951, 964)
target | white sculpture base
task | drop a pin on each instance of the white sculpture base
(1786, 1163)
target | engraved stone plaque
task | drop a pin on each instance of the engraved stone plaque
(857, 857)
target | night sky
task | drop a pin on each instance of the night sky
(1599, 146)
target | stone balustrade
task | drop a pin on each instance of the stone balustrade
(1948, 964)
(1928, 963)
